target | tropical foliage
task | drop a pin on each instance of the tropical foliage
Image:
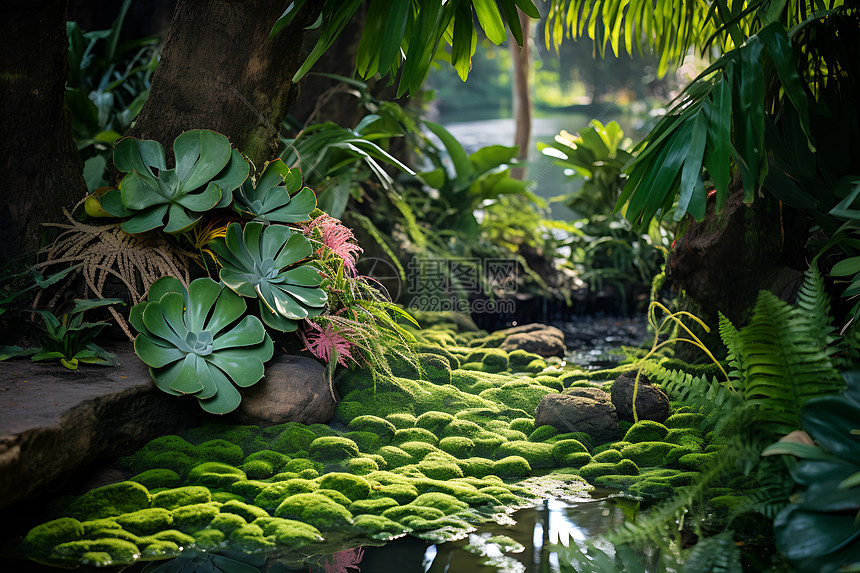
(70, 339)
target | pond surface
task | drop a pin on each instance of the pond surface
(535, 529)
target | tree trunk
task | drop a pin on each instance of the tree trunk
(40, 171)
(219, 71)
(522, 95)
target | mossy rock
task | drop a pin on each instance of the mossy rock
(373, 506)
(272, 496)
(487, 443)
(352, 486)
(145, 521)
(227, 523)
(519, 358)
(42, 538)
(248, 512)
(538, 455)
(593, 470)
(433, 421)
(317, 510)
(406, 513)
(562, 448)
(121, 534)
(608, 457)
(685, 420)
(172, 536)
(177, 497)
(401, 420)
(402, 493)
(696, 461)
(464, 428)
(414, 435)
(647, 454)
(418, 450)
(215, 475)
(448, 504)
(225, 496)
(395, 457)
(524, 425)
(476, 466)
(373, 424)
(458, 446)
(335, 496)
(495, 362)
(118, 551)
(551, 382)
(362, 465)
(110, 501)
(152, 551)
(366, 441)
(155, 478)
(378, 527)
(294, 438)
(194, 517)
(258, 469)
(249, 489)
(518, 394)
(209, 539)
(536, 366)
(678, 452)
(574, 460)
(512, 435)
(651, 490)
(92, 528)
(453, 361)
(250, 539)
(220, 451)
(615, 481)
(543, 433)
(646, 431)
(435, 368)
(288, 532)
(685, 437)
(512, 467)
(302, 466)
(580, 437)
(330, 449)
(276, 459)
(440, 469)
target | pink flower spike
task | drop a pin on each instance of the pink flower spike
(322, 340)
(339, 239)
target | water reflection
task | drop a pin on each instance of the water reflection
(552, 521)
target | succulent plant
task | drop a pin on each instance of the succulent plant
(261, 262)
(193, 344)
(277, 197)
(207, 171)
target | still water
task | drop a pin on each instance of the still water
(535, 531)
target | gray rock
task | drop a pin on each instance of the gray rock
(537, 338)
(294, 389)
(578, 413)
(651, 402)
(593, 393)
(55, 422)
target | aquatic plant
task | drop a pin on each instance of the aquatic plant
(193, 344)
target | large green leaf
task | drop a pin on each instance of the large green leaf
(277, 197)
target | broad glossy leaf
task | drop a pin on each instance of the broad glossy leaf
(305, 276)
(178, 220)
(231, 177)
(163, 286)
(226, 400)
(172, 307)
(130, 154)
(241, 283)
(801, 533)
(308, 297)
(204, 375)
(490, 20)
(82, 305)
(202, 294)
(243, 365)
(155, 355)
(156, 324)
(139, 192)
(200, 154)
(186, 380)
(834, 423)
(146, 220)
(276, 321)
(228, 308)
(248, 332)
(296, 248)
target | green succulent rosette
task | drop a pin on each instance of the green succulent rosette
(207, 171)
(263, 262)
(197, 342)
(277, 197)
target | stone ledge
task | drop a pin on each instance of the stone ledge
(54, 422)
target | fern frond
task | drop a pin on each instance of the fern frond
(717, 554)
(783, 367)
(813, 306)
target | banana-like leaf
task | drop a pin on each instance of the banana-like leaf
(277, 197)
(263, 262)
(193, 344)
(206, 173)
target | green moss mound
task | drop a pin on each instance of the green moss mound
(110, 501)
(646, 431)
(352, 486)
(157, 478)
(647, 453)
(315, 509)
(332, 449)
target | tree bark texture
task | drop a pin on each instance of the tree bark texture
(40, 170)
(219, 71)
(522, 93)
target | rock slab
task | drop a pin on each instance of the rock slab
(537, 338)
(54, 422)
(588, 410)
(651, 402)
(294, 389)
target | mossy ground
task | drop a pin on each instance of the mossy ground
(431, 453)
